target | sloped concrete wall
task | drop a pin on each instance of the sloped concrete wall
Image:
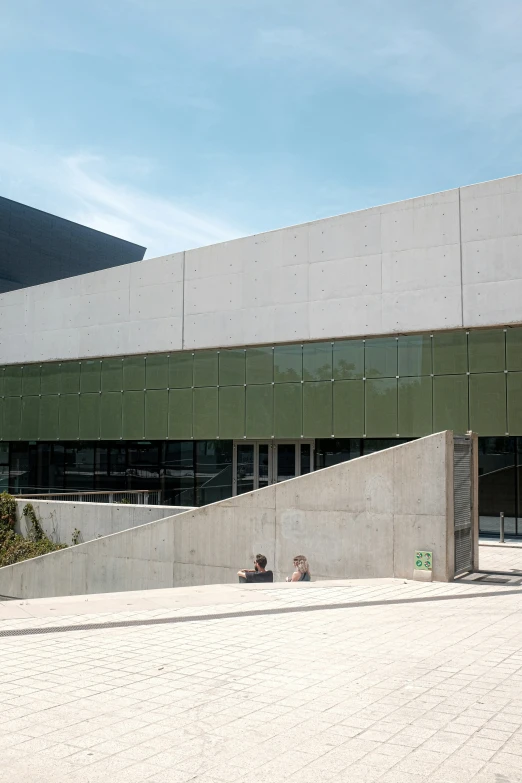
(359, 519)
(60, 518)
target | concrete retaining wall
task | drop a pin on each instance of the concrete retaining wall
(359, 519)
(60, 519)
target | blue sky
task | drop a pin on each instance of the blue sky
(178, 123)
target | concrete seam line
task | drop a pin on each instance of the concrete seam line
(249, 613)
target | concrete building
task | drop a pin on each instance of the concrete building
(226, 368)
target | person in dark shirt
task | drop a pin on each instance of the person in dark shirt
(258, 573)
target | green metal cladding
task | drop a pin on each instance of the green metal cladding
(404, 386)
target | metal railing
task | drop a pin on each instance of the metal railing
(142, 497)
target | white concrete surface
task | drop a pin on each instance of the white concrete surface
(442, 261)
(349, 682)
(359, 519)
(60, 519)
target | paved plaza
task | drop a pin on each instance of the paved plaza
(359, 681)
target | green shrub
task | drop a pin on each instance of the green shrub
(14, 547)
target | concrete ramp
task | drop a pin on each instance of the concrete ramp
(360, 519)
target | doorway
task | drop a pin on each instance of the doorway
(257, 464)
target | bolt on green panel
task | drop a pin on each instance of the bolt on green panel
(450, 403)
(381, 407)
(156, 414)
(49, 417)
(450, 353)
(348, 409)
(205, 421)
(514, 348)
(157, 371)
(288, 410)
(180, 414)
(181, 369)
(317, 362)
(348, 359)
(134, 373)
(317, 409)
(487, 350)
(380, 357)
(259, 365)
(415, 397)
(206, 368)
(2, 405)
(50, 378)
(232, 367)
(231, 412)
(69, 416)
(487, 404)
(13, 381)
(31, 380)
(89, 416)
(12, 418)
(415, 355)
(260, 411)
(288, 363)
(30, 418)
(133, 415)
(112, 375)
(70, 380)
(514, 403)
(111, 415)
(90, 375)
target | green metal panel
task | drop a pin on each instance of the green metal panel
(317, 362)
(259, 365)
(89, 428)
(450, 403)
(317, 409)
(514, 403)
(2, 405)
(12, 418)
(514, 348)
(415, 355)
(70, 377)
(112, 375)
(487, 404)
(415, 406)
(133, 427)
(231, 412)
(205, 420)
(180, 414)
(156, 414)
(260, 411)
(381, 407)
(50, 378)
(232, 368)
(134, 373)
(288, 363)
(2, 381)
(111, 415)
(487, 350)
(30, 418)
(348, 409)
(90, 375)
(157, 371)
(206, 368)
(348, 359)
(49, 417)
(13, 380)
(181, 370)
(450, 353)
(380, 357)
(69, 416)
(31, 380)
(288, 410)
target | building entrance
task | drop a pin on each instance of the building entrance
(256, 464)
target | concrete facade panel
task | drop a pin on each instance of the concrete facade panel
(407, 311)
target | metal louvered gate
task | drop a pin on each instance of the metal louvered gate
(463, 517)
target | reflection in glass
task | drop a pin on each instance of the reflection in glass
(179, 474)
(245, 468)
(306, 458)
(213, 471)
(263, 472)
(497, 485)
(286, 461)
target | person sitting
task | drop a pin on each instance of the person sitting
(258, 573)
(301, 570)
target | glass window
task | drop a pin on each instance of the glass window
(213, 471)
(371, 445)
(245, 467)
(143, 465)
(178, 474)
(497, 485)
(335, 450)
(79, 468)
(49, 467)
(4, 453)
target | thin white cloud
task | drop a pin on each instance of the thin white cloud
(78, 187)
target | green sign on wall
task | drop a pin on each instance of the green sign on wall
(423, 561)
